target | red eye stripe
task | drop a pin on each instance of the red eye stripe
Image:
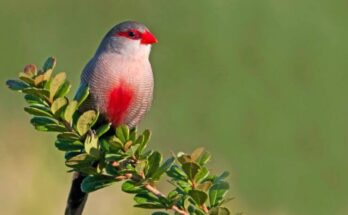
(131, 34)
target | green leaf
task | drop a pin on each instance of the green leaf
(203, 158)
(223, 175)
(191, 169)
(219, 211)
(81, 94)
(86, 121)
(133, 135)
(140, 139)
(33, 100)
(91, 145)
(131, 151)
(142, 145)
(172, 194)
(115, 143)
(184, 185)
(176, 173)
(80, 160)
(122, 132)
(65, 145)
(153, 163)
(93, 183)
(51, 128)
(16, 85)
(198, 196)
(163, 168)
(69, 111)
(64, 89)
(103, 129)
(38, 110)
(86, 170)
(66, 136)
(56, 83)
(131, 187)
(113, 157)
(41, 93)
(145, 155)
(202, 174)
(217, 192)
(71, 154)
(49, 64)
(146, 197)
(46, 124)
(147, 136)
(58, 104)
(111, 170)
(42, 121)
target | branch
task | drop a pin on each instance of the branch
(154, 190)
(77, 199)
(101, 155)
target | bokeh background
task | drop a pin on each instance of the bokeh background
(262, 85)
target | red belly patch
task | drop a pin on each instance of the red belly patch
(119, 101)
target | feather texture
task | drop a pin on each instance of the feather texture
(108, 71)
(120, 76)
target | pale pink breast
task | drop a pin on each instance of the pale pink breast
(121, 89)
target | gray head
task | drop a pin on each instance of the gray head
(127, 38)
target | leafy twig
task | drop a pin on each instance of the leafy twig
(106, 155)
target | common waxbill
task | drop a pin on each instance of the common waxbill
(119, 74)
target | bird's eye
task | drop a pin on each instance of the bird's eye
(131, 34)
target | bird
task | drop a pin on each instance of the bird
(120, 81)
(119, 75)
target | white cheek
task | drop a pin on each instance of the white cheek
(137, 50)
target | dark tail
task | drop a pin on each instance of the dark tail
(77, 199)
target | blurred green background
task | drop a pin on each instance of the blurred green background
(260, 84)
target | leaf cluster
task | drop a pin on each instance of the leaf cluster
(107, 155)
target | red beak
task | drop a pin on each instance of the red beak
(148, 38)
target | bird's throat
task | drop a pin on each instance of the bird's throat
(119, 101)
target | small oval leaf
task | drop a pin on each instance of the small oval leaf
(96, 182)
(131, 187)
(49, 64)
(69, 111)
(198, 196)
(122, 132)
(153, 163)
(81, 94)
(56, 83)
(58, 105)
(86, 121)
(91, 145)
(103, 129)
(217, 192)
(38, 110)
(191, 169)
(16, 85)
